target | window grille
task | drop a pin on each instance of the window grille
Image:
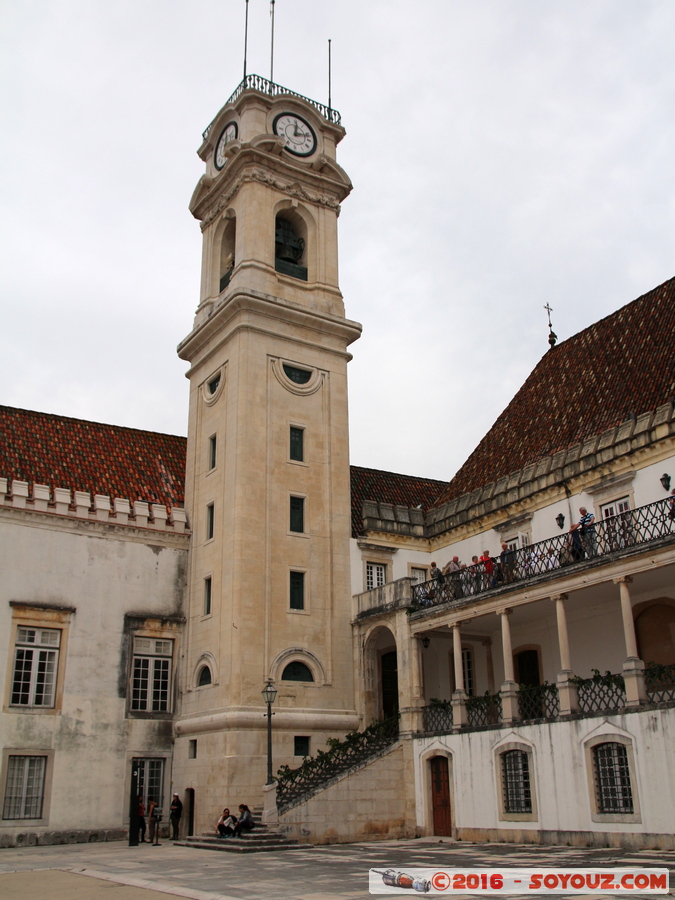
(376, 575)
(516, 782)
(297, 671)
(24, 791)
(151, 675)
(36, 657)
(612, 778)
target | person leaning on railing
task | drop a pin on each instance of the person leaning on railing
(588, 535)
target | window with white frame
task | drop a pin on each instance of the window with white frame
(418, 575)
(36, 659)
(24, 787)
(516, 787)
(150, 779)
(615, 508)
(612, 778)
(376, 575)
(151, 674)
(617, 524)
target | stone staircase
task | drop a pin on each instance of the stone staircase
(260, 840)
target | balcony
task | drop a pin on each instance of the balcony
(597, 695)
(612, 538)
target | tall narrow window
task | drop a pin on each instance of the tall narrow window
(150, 779)
(297, 590)
(467, 669)
(209, 521)
(151, 675)
(297, 448)
(207, 596)
(516, 782)
(36, 657)
(24, 790)
(297, 522)
(376, 575)
(612, 778)
(212, 452)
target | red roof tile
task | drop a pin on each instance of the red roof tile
(624, 363)
(388, 487)
(88, 456)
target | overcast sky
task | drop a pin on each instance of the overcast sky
(504, 154)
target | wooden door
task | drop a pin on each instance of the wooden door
(440, 796)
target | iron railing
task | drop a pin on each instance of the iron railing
(611, 535)
(296, 785)
(660, 683)
(601, 692)
(485, 710)
(538, 702)
(257, 83)
(438, 718)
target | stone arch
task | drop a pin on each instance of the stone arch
(380, 664)
(298, 654)
(304, 227)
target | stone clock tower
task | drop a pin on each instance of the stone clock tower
(267, 482)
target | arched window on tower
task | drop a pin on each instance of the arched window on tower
(289, 246)
(297, 671)
(227, 247)
(204, 676)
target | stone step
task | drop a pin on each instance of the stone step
(250, 843)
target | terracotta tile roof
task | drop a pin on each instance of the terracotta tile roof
(388, 487)
(88, 456)
(591, 382)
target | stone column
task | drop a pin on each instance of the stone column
(633, 667)
(407, 650)
(459, 716)
(567, 690)
(509, 689)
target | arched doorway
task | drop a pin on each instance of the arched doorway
(389, 684)
(440, 795)
(380, 675)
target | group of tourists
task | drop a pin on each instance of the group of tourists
(154, 817)
(231, 826)
(457, 580)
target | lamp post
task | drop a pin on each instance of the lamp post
(269, 694)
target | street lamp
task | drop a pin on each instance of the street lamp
(269, 694)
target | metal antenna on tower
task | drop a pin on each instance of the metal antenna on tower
(272, 49)
(245, 39)
(552, 336)
(329, 78)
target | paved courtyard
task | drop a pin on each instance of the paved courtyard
(115, 871)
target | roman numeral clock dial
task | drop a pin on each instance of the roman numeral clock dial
(229, 133)
(298, 135)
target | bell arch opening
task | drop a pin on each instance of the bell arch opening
(290, 244)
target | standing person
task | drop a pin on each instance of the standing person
(437, 576)
(488, 569)
(588, 535)
(245, 822)
(141, 819)
(152, 819)
(507, 566)
(176, 811)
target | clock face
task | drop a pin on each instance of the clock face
(298, 135)
(228, 134)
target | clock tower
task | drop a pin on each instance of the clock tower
(267, 480)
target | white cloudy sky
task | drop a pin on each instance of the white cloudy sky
(504, 154)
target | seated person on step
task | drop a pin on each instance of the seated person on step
(226, 824)
(245, 822)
